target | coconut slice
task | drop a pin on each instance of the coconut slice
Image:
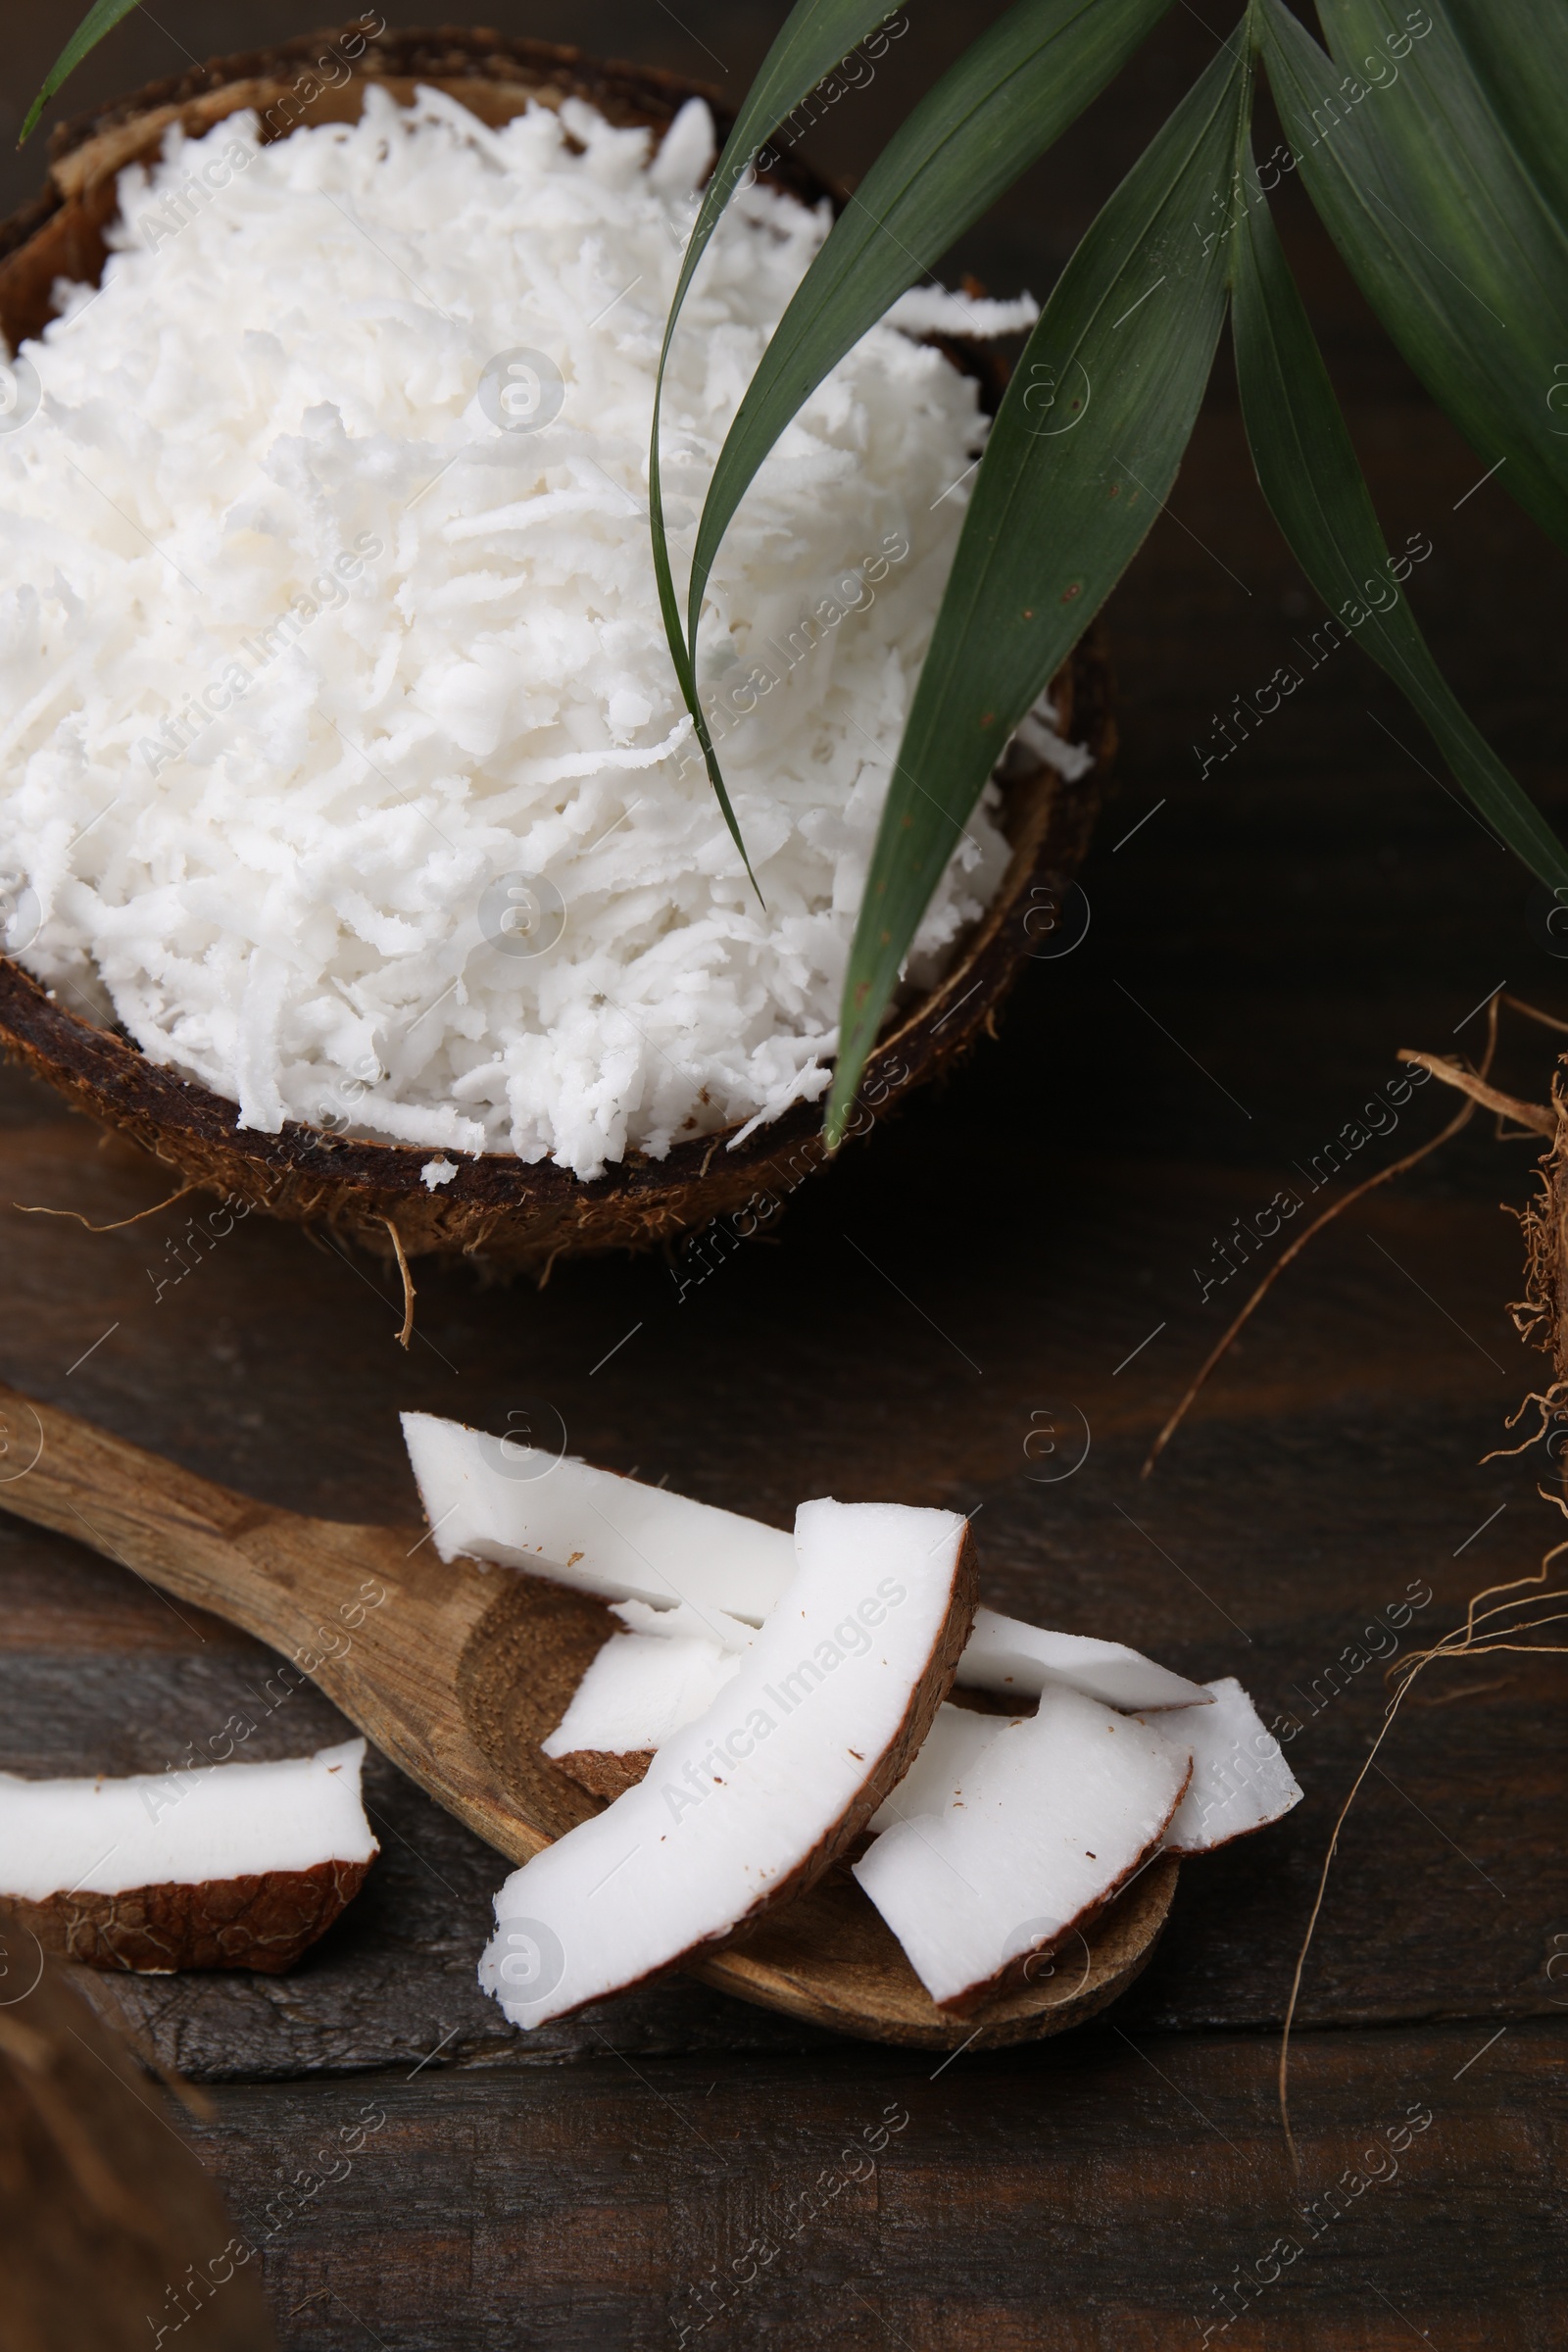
(1057, 1811)
(228, 1866)
(636, 1694)
(682, 1623)
(664, 1671)
(640, 1689)
(944, 1767)
(1020, 1661)
(499, 1499)
(753, 1803)
(1240, 1781)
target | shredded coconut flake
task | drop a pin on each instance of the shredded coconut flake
(343, 759)
(934, 310)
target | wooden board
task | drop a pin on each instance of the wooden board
(1102, 2191)
(1018, 1248)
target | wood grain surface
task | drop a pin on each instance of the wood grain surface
(1010, 1262)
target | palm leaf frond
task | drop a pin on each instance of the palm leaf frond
(100, 19)
(1007, 99)
(1455, 245)
(1083, 455)
(1307, 469)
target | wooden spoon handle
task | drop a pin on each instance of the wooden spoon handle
(374, 1619)
(177, 1531)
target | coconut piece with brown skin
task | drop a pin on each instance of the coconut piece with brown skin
(944, 1767)
(663, 1672)
(753, 1803)
(1057, 1811)
(1241, 1782)
(232, 1866)
(110, 2229)
(1022, 1661)
(505, 1500)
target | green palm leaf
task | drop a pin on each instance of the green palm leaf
(1083, 453)
(1005, 101)
(1451, 239)
(1518, 51)
(1308, 473)
(818, 35)
(99, 20)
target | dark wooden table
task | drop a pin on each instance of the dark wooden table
(1262, 941)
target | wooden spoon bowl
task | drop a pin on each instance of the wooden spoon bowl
(497, 1208)
(458, 1674)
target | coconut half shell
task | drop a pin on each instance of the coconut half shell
(498, 1209)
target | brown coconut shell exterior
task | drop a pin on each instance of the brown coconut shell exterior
(606, 1772)
(264, 1921)
(497, 1210)
(105, 2215)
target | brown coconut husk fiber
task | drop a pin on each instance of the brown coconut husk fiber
(1524, 1606)
(1472, 1085)
(1483, 1632)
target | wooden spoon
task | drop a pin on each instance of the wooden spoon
(457, 1674)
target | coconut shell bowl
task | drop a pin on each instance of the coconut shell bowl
(504, 1214)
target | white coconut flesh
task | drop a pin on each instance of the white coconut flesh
(752, 1801)
(1020, 1661)
(640, 1689)
(182, 1829)
(1056, 1812)
(500, 1499)
(346, 762)
(684, 1623)
(944, 1767)
(1240, 1781)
